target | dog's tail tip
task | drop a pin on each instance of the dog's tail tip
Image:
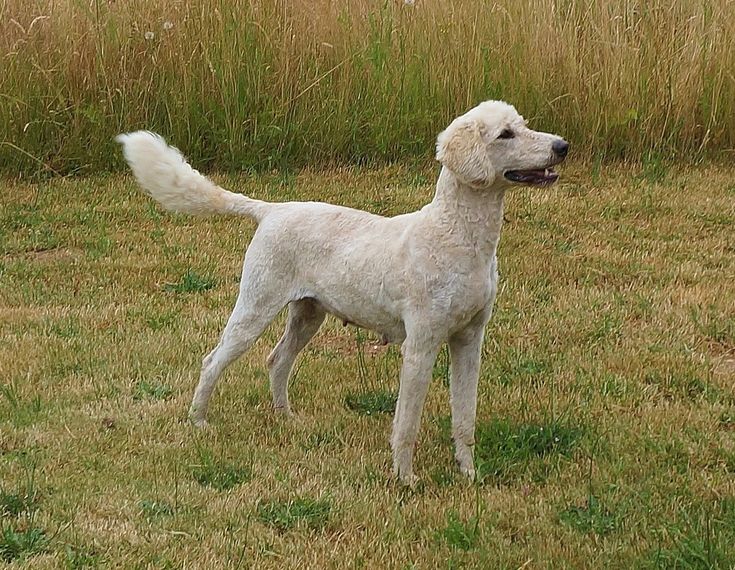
(134, 138)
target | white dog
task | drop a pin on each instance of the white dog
(418, 279)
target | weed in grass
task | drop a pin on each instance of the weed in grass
(604, 330)
(613, 386)
(18, 543)
(25, 500)
(678, 384)
(160, 321)
(593, 517)
(504, 450)
(153, 509)
(24, 412)
(459, 534)
(286, 515)
(517, 367)
(15, 504)
(145, 390)
(20, 538)
(715, 325)
(285, 180)
(564, 246)
(372, 403)
(673, 453)
(700, 540)
(715, 221)
(321, 440)
(531, 367)
(76, 557)
(10, 392)
(654, 168)
(373, 476)
(65, 328)
(31, 229)
(22, 216)
(222, 476)
(219, 475)
(442, 477)
(373, 399)
(191, 282)
(98, 247)
(726, 458)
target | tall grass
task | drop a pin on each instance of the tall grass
(269, 83)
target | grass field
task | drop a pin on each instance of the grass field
(606, 411)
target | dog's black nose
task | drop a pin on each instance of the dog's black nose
(560, 147)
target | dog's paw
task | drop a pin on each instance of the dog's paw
(466, 462)
(283, 411)
(404, 475)
(408, 480)
(468, 472)
(199, 423)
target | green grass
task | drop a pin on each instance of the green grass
(21, 543)
(152, 509)
(592, 517)
(152, 390)
(76, 557)
(287, 515)
(20, 535)
(617, 344)
(373, 402)
(13, 504)
(505, 451)
(459, 534)
(219, 475)
(191, 282)
(700, 540)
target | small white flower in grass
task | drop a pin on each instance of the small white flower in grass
(556, 440)
(409, 2)
(168, 25)
(149, 36)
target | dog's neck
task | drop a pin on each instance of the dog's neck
(469, 216)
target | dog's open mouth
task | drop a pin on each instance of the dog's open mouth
(539, 177)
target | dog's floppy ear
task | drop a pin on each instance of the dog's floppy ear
(460, 147)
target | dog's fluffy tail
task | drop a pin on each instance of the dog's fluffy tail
(164, 174)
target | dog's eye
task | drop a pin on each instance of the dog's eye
(506, 134)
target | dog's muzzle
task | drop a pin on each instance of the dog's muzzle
(541, 176)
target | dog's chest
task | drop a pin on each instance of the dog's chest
(465, 291)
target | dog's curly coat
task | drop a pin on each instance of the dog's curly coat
(418, 279)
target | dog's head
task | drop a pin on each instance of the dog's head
(491, 145)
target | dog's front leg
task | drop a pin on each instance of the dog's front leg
(419, 354)
(465, 349)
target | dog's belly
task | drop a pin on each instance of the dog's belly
(370, 316)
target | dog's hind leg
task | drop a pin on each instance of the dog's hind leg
(305, 316)
(251, 315)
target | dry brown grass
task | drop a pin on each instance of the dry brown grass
(614, 326)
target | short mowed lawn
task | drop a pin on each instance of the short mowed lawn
(606, 416)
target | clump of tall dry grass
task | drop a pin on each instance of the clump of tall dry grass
(245, 83)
